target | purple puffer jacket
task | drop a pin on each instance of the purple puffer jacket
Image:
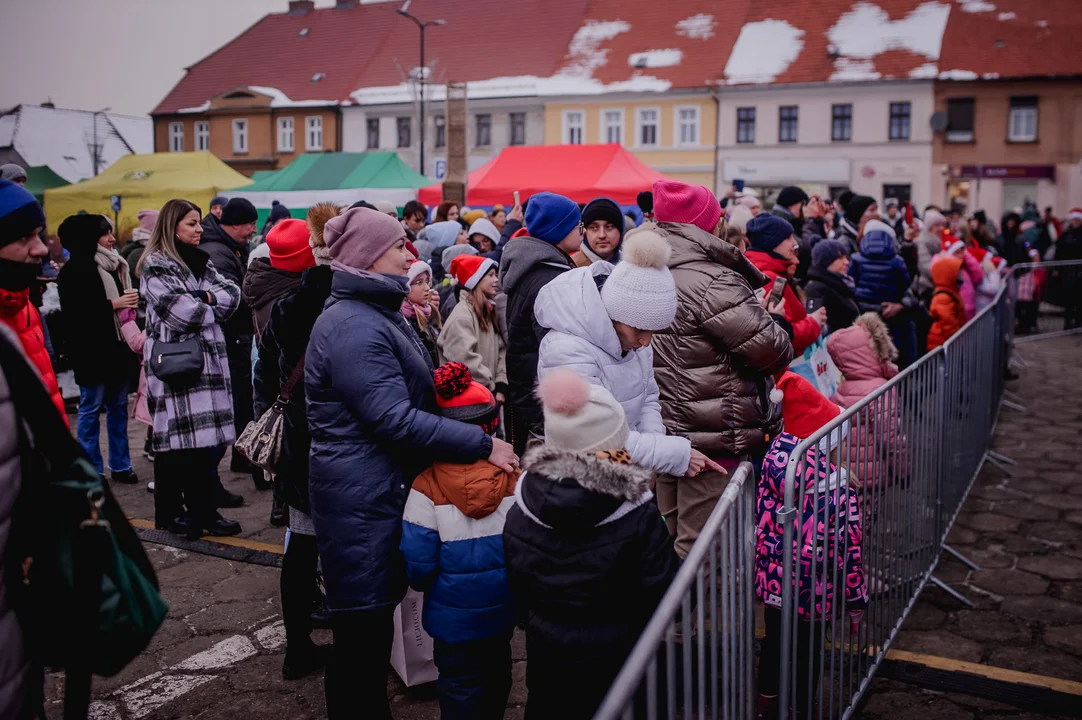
(823, 560)
(864, 354)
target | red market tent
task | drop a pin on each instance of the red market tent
(581, 172)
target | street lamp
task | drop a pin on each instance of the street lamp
(96, 154)
(404, 12)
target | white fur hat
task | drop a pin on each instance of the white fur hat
(641, 292)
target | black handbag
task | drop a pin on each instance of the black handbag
(176, 362)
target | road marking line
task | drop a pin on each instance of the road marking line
(1016, 677)
(146, 699)
(223, 654)
(273, 636)
(231, 541)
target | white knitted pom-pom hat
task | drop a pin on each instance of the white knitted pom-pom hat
(641, 292)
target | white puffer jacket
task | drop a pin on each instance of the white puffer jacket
(581, 337)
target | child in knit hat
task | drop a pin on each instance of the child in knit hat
(588, 555)
(421, 310)
(471, 336)
(826, 561)
(452, 540)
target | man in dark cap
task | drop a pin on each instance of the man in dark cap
(217, 205)
(858, 211)
(806, 216)
(604, 233)
(226, 241)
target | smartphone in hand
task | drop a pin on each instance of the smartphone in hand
(777, 291)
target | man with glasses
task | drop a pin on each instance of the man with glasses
(226, 240)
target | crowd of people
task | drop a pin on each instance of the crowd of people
(528, 413)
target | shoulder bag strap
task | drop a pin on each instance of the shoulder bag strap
(294, 378)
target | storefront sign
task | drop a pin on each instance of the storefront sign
(1005, 172)
(784, 172)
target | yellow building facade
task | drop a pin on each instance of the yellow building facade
(673, 133)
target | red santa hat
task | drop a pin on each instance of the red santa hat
(977, 251)
(803, 407)
(469, 269)
(1075, 214)
(418, 268)
(952, 244)
(1001, 262)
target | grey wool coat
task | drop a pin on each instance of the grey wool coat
(197, 414)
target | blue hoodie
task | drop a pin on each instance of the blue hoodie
(878, 271)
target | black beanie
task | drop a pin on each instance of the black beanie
(791, 195)
(79, 234)
(844, 197)
(645, 201)
(238, 211)
(603, 209)
(854, 210)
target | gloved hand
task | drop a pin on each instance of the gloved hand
(126, 315)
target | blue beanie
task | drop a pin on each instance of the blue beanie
(766, 232)
(20, 213)
(551, 217)
(826, 252)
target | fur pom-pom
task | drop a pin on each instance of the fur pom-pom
(452, 379)
(318, 216)
(776, 396)
(646, 249)
(563, 391)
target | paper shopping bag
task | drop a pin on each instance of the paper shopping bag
(411, 652)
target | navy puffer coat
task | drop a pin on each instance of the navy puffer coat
(372, 416)
(879, 271)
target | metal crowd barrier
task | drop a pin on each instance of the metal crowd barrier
(908, 455)
(696, 654)
(1048, 299)
(911, 453)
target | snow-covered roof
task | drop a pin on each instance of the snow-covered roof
(62, 139)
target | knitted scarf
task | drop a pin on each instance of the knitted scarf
(111, 264)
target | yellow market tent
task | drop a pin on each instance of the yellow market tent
(144, 181)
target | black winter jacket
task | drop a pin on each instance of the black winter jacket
(264, 285)
(588, 559)
(829, 289)
(281, 347)
(231, 262)
(98, 356)
(527, 265)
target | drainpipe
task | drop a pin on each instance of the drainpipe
(716, 94)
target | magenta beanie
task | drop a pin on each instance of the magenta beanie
(679, 202)
(359, 237)
(147, 218)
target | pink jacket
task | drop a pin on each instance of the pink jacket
(136, 340)
(972, 277)
(864, 354)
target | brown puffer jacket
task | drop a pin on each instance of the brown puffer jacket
(714, 363)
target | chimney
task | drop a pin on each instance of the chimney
(300, 7)
(345, 4)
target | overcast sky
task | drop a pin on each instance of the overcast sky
(121, 54)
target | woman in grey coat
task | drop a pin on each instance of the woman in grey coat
(186, 297)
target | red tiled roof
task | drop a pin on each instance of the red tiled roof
(688, 44)
(1034, 38)
(703, 31)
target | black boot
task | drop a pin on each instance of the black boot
(225, 499)
(279, 513)
(216, 526)
(303, 659)
(126, 477)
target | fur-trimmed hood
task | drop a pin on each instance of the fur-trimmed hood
(880, 336)
(564, 490)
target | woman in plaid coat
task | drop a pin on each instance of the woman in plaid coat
(186, 297)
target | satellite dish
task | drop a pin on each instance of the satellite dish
(939, 121)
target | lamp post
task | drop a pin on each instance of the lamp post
(404, 12)
(95, 156)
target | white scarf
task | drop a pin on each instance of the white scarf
(111, 263)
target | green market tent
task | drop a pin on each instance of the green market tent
(340, 178)
(41, 178)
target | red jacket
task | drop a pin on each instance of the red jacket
(806, 329)
(17, 312)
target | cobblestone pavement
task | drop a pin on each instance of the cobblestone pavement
(1026, 534)
(219, 653)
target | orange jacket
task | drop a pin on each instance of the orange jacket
(19, 314)
(947, 309)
